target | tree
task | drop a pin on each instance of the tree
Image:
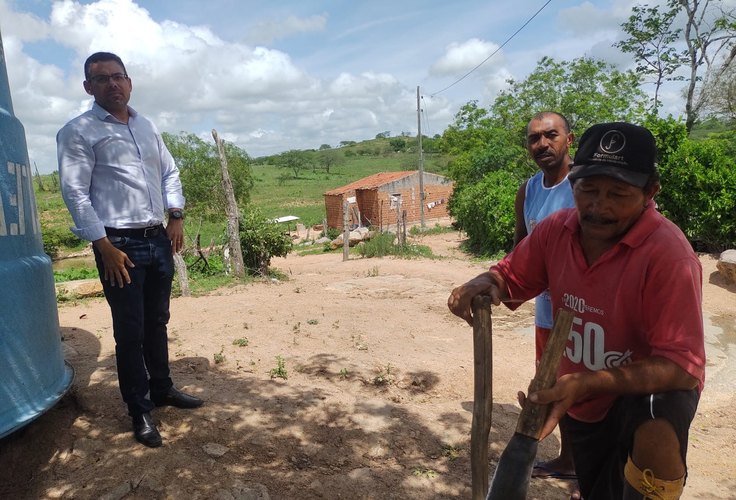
(709, 33)
(294, 160)
(430, 144)
(325, 146)
(720, 92)
(485, 211)
(651, 42)
(383, 135)
(330, 159)
(699, 192)
(397, 144)
(201, 176)
(585, 90)
(469, 131)
(260, 240)
(488, 145)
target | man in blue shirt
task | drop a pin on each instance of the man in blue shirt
(548, 142)
(118, 180)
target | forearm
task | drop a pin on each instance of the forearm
(76, 163)
(647, 376)
(170, 180)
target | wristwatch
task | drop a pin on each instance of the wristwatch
(176, 214)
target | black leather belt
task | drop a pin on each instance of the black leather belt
(139, 232)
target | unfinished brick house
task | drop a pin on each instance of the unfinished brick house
(379, 198)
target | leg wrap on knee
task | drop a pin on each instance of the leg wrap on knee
(649, 486)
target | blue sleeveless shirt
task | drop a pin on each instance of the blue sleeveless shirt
(540, 202)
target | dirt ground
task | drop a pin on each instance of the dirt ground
(375, 402)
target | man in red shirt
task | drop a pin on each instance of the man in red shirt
(634, 366)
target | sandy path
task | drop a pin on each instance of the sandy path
(376, 404)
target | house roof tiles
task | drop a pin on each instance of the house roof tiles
(372, 181)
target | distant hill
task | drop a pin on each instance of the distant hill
(278, 191)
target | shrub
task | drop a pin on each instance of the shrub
(397, 144)
(485, 211)
(332, 232)
(382, 244)
(699, 193)
(56, 238)
(426, 231)
(260, 240)
(198, 267)
(669, 134)
(75, 273)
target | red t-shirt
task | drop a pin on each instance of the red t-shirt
(641, 298)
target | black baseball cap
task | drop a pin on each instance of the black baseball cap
(620, 150)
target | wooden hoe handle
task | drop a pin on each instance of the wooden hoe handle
(482, 396)
(533, 415)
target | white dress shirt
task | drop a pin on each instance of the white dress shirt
(115, 174)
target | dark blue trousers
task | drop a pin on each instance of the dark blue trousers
(140, 312)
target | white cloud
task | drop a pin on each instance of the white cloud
(462, 57)
(23, 26)
(265, 32)
(346, 79)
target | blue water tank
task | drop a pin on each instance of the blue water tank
(33, 373)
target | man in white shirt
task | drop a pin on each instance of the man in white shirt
(118, 180)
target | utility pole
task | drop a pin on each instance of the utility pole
(421, 161)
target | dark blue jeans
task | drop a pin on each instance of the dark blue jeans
(140, 312)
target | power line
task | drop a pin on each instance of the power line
(426, 117)
(495, 51)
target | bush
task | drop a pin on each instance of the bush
(56, 238)
(426, 231)
(332, 232)
(382, 244)
(669, 134)
(260, 240)
(201, 173)
(699, 193)
(485, 211)
(75, 273)
(199, 268)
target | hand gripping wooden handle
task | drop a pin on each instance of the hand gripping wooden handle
(533, 415)
(482, 395)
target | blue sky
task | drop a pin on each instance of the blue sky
(274, 76)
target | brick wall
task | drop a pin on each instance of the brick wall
(375, 203)
(333, 210)
(367, 200)
(436, 195)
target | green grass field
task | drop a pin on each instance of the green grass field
(303, 197)
(275, 192)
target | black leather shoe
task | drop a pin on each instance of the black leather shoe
(145, 431)
(178, 399)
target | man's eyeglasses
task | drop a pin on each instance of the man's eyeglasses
(105, 79)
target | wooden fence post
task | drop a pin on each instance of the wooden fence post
(181, 271)
(345, 230)
(231, 209)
